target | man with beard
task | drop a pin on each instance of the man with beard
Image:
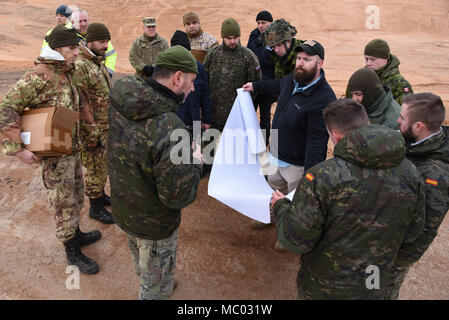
(92, 81)
(229, 66)
(80, 21)
(420, 123)
(200, 42)
(298, 120)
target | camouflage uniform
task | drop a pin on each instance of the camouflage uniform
(283, 66)
(148, 190)
(92, 80)
(350, 212)
(390, 76)
(201, 44)
(144, 51)
(48, 85)
(228, 70)
(431, 157)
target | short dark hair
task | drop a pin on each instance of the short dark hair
(161, 73)
(427, 108)
(345, 115)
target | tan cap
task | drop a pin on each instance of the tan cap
(149, 22)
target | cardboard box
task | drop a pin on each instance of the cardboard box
(48, 131)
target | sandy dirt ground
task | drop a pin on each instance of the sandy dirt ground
(219, 256)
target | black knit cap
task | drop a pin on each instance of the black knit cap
(264, 15)
(60, 36)
(366, 81)
(180, 39)
(64, 11)
(97, 31)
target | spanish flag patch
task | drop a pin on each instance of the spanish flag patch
(309, 177)
(432, 182)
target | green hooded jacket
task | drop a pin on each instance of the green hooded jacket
(431, 157)
(352, 212)
(148, 190)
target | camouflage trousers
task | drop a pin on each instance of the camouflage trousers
(155, 262)
(63, 178)
(95, 162)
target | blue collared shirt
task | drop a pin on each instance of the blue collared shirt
(301, 89)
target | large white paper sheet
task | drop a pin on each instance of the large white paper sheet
(236, 178)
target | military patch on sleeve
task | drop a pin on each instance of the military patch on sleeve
(406, 89)
(309, 177)
(258, 68)
(432, 182)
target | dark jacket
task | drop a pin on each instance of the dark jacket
(302, 134)
(148, 189)
(197, 106)
(262, 52)
(352, 212)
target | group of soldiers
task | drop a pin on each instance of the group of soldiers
(340, 218)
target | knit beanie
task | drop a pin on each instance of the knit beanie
(180, 39)
(378, 48)
(97, 31)
(64, 11)
(177, 58)
(230, 27)
(60, 36)
(367, 81)
(190, 17)
(265, 16)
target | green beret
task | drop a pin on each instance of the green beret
(229, 28)
(378, 48)
(97, 31)
(177, 58)
(60, 36)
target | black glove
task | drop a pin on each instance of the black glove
(148, 71)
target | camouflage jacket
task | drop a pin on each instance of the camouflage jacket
(144, 51)
(228, 70)
(285, 65)
(390, 76)
(431, 157)
(384, 110)
(148, 189)
(353, 211)
(92, 80)
(49, 84)
(201, 44)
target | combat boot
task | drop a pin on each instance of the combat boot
(98, 212)
(84, 239)
(76, 258)
(106, 199)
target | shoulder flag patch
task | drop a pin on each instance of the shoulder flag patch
(406, 89)
(309, 177)
(432, 182)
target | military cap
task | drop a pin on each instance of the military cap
(265, 16)
(378, 48)
(60, 36)
(278, 32)
(177, 58)
(97, 31)
(149, 22)
(312, 48)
